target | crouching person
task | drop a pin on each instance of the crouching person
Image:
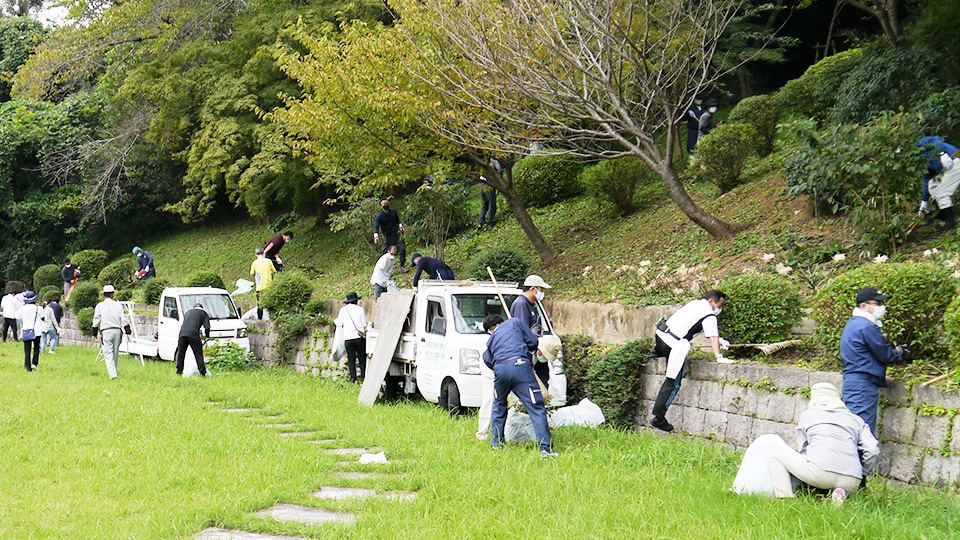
(837, 448)
(673, 342)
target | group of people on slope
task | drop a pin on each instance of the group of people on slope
(837, 437)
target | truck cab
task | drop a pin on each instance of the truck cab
(442, 345)
(225, 323)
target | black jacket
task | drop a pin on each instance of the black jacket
(388, 222)
(193, 319)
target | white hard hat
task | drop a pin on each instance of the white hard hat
(108, 288)
(549, 346)
(534, 280)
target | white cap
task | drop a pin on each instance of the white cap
(549, 346)
(108, 288)
(534, 280)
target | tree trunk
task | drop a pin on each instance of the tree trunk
(716, 227)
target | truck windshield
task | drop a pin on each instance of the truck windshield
(470, 309)
(217, 306)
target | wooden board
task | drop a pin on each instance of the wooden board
(392, 311)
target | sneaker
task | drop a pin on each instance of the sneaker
(483, 436)
(51, 352)
(36, 367)
(403, 269)
(838, 496)
(548, 454)
(661, 424)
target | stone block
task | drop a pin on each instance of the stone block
(834, 378)
(305, 514)
(955, 440)
(766, 427)
(751, 372)
(789, 378)
(646, 411)
(932, 395)
(689, 393)
(897, 393)
(899, 424)
(711, 396)
(650, 386)
(216, 533)
(714, 423)
(930, 431)
(739, 431)
(780, 408)
(692, 421)
(940, 471)
(904, 461)
(756, 403)
(708, 370)
(800, 404)
(734, 398)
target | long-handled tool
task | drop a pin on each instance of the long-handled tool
(543, 387)
(765, 348)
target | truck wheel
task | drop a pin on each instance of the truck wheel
(450, 399)
(393, 388)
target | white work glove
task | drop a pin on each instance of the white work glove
(724, 344)
(402, 229)
(924, 209)
(946, 161)
(724, 360)
(376, 238)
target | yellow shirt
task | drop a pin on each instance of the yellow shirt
(262, 271)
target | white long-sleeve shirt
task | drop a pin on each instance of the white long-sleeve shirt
(29, 317)
(350, 319)
(109, 314)
(381, 273)
(10, 305)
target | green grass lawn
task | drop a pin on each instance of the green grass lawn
(147, 457)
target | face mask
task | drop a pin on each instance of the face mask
(392, 256)
(712, 110)
(879, 311)
(716, 311)
(540, 295)
(386, 207)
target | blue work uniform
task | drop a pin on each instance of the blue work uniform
(866, 355)
(145, 259)
(931, 148)
(526, 311)
(433, 268)
(693, 127)
(509, 355)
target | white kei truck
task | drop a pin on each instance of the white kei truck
(442, 343)
(225, 323)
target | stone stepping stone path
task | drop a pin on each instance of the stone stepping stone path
(297, 433)
(277, 426)
(305, 514)
(237, 410)
(341, 493)
(323, 441)
(214, 533)
(350, 451)
(354, 475)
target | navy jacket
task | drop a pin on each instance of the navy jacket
(388, 222)
(865, 351)
(512, 339)
(144, 260)
(431, 266)
(526, 311)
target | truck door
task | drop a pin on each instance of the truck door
(431, 352)
(168, 327)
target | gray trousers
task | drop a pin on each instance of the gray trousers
(111, 337)
(787, 461)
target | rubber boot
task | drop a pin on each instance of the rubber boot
(949, 219)
(659, 420)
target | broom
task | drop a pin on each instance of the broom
(765, 348)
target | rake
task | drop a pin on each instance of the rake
(765, 348)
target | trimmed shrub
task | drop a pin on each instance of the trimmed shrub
(507, 265)
(289, 293)
(85, 320)
(759, 309)
(615, 383)
(85, 295)
(723, 152)
(579, 352)
(815, 92)
(614, 183)
(921, 293)
(15, 287)
(153, 290)
(544, 179)
(47, 275)
(90, 261)
(762, 113)
(119, 273)
(204, 279)
(314, 307)
(49, 293)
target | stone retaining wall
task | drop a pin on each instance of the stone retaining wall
(735, 404)
(71, 335)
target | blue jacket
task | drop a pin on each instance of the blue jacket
(526, 311)
(512, 339)
(144, 259)
(865, 351)
(932, 154)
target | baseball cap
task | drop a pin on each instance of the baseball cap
(534, 280)
(867, 294)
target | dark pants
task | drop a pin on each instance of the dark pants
(277, 265)
(35, 343)
(259, 309)
(542, 369)
(489, 209)
(394, 240)
(193, 343)
(861, 396)
(668, 391)
(445, 274)
(12, 325)
(692, 135)
(356, 355)
(510, 377)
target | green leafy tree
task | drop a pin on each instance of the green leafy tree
(19, 37)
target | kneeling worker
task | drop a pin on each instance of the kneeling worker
(193, 320)
(673, 342)
(509, 354)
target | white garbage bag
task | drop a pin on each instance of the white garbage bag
(754, 475)
(392, 286)
(190, 364)
(380, 458)
(519, 427)
(338, 348)
(586, 413)
(243, 286)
